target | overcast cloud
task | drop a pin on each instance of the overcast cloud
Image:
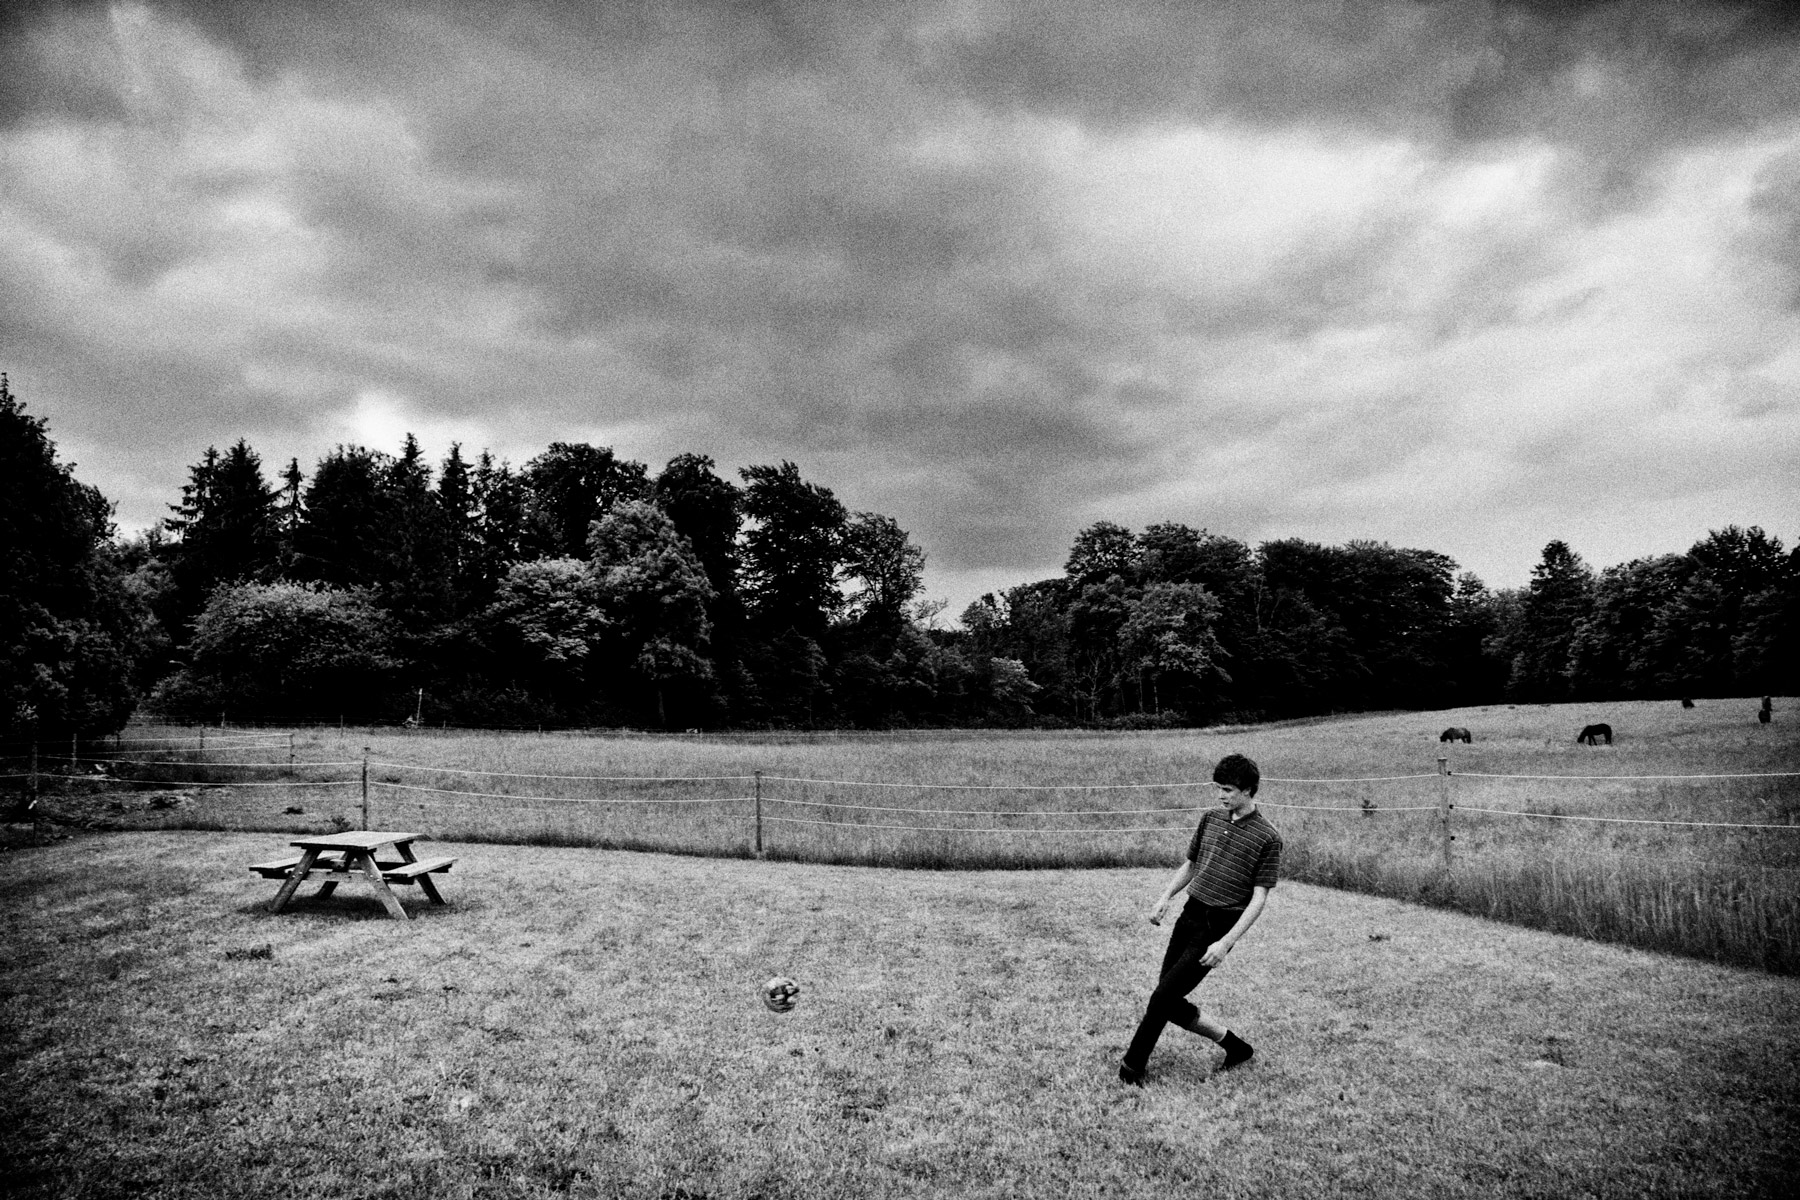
(1461, 276)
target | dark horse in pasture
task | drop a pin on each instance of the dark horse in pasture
(1766, 711)
(1455, 733)
(1593, 735)
(1686, 703)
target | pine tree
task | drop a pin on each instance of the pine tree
(1559, 597)
(346, 536)
(291, 514)
(416, 587)
(227, 528)
(500, 527)
(460, 530)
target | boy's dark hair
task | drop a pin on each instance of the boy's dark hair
(1234, 770)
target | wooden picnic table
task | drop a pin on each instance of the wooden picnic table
(377, 857)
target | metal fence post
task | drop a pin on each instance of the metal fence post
(1444, 807)
(365, 788)
(759, 845)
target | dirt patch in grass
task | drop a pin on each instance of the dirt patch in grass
(588, 1022)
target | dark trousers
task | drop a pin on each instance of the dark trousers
(1198, 926)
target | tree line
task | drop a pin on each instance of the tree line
(1180, 626)
(584, 589)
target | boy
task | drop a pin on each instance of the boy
(1231, 864)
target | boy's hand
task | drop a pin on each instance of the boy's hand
(1215, 954)
(1157, 910)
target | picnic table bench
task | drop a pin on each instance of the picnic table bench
(376, 857)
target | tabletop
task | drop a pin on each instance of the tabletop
(355, 839)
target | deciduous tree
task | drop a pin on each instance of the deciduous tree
(570, 486)
(792, 552)
(1102, 550)
(705, 510)
(550, 629)
(1167, 637)
(655, 593)
(888, 567)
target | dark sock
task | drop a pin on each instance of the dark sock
(1237, 1050)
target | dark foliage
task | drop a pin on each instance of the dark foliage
(226, 528)
(572, 485)
(581, 590)
(69, 626)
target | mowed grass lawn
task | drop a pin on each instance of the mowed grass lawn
(587, 1022)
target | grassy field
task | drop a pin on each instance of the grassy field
(585, 1022)
(1555, 850)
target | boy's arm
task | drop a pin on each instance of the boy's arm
(1215, 953)
(1183, 875)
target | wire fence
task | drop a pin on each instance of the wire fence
(1630, 857)
(774, 790)
(766, 798)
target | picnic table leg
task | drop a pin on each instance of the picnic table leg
(371, 871)
(430, 889)
(424, 881)
(288, 885)
(330, 885)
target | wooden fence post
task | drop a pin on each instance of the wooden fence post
(290, 749)
(1444, 807)
(759, 845)
(31, 788)
(365, 788)
(74, 749)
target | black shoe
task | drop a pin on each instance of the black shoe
(1237, 1051)
(1128, 1075)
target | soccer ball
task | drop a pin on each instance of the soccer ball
(779, 994)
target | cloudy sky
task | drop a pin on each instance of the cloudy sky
(1459, 276)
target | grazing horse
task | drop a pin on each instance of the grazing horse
(1455, 733)
(1592, 735)
(1762, 715)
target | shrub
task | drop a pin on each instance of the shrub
(287, 650)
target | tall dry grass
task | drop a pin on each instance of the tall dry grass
(1544, 832)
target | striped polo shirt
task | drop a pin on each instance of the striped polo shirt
(1231, 857)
